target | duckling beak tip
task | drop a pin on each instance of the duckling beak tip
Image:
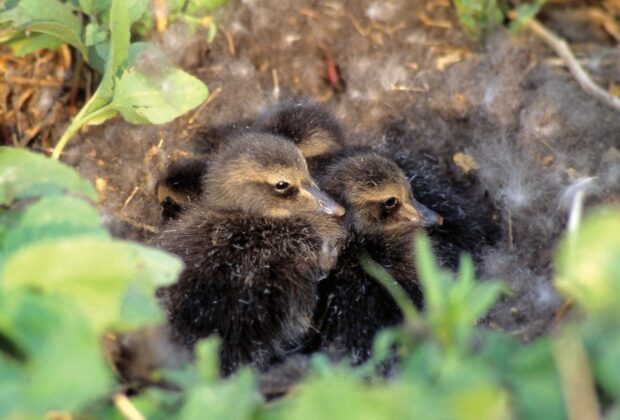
(325, 203)
(426, 217)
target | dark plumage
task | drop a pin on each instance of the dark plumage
(180, 186)
(311, 127)
(470, 221)
(381, 219)
(317, 133)
(254, 249)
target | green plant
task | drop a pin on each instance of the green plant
(478, 16)
(141, 96)
(64, 282)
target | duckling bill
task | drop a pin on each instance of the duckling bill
(254, 248)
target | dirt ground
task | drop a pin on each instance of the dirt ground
(503, 119)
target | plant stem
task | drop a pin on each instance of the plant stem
(380, 274)
(562, 49)
(78, 122)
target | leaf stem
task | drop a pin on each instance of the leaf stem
(78, 122)
(380, 274)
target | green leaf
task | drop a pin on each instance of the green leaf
(588, 265)
(157, 99)
(95, 34)
(97, 56)
(24, 174)
(524, 13)
(118, 51)
(234, 398)
(137, 9)
(97, 273)
(394, 289)
(25, 44)
(477, 16)
(340, 396)
(529, 371)
(93, 7)
(64, 367)
(53, 217)
(212, 32)
(207, 359)
(198, 7)
(453, 308)
(51, 17)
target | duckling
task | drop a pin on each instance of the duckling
(310, 126)
(254, 247)
(317, 133)
(382, 217)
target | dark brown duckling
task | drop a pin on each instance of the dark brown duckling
(254, 249)
(382, 217)
(317, 133)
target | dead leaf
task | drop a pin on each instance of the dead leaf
(466, 163)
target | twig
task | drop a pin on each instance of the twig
(562, 49)
(230, 43)
(210, 99)
(135, 223)
(35, 82)
(511, 241)
(131, 196)
(126, 407)
(276, 83)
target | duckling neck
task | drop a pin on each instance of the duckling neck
(389, 250)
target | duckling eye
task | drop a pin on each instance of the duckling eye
(390, 203)
(282, 186)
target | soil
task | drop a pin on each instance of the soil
(502, 117)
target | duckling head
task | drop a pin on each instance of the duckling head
(377, 196)
(311, 127)
(263, 175)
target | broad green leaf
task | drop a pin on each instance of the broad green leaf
(25, 44)
(93, 7)
(119, 38)
(137, 9)
(94, 34)
(97, 57)
(529, 371)
(233, 398)
(8, 220)
(340, 396)
(24, 174)
(51, 17)
(588, 265)
(157, 99)
(97, 273)
(64, 369)
(50, 218)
